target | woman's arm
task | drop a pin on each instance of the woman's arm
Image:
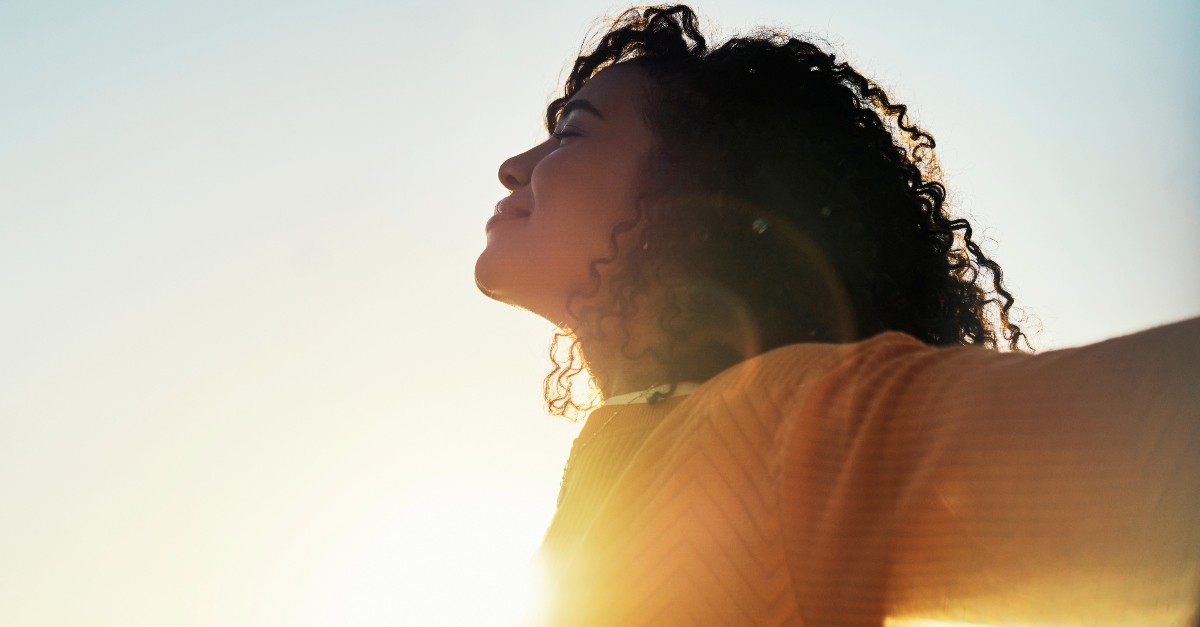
(959, 484)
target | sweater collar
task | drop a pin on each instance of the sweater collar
(641, 396)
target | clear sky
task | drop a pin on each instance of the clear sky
(245, 375)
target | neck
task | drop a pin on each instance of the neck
(630, 385)
(616, 373)
(618, 352)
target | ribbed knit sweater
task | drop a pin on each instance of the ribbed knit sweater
(887, 481)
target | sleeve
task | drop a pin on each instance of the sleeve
(931, 487)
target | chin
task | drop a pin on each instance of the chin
(494, 280)
(529, 291)
(483, 279)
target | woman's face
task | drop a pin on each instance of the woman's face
(565, 196)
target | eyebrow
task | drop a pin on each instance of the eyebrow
(582, 105)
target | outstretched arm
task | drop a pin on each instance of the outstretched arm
(962, 485)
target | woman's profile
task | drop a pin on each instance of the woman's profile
(816, 406)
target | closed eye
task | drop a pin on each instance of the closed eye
(564, 133)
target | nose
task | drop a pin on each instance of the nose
(516, 170)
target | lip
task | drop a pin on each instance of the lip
(504, 211)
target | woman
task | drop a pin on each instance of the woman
(746, 247)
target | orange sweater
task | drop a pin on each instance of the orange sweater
(889, 481)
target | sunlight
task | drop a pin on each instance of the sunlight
(892, 621)
(451, 550)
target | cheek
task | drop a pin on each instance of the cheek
(582, 201)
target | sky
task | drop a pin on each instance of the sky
(245, 375)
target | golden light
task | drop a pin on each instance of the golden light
(449, 550)
(929, 622)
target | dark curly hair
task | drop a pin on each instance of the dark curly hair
(787, 200)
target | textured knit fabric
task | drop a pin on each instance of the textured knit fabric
(886, 482)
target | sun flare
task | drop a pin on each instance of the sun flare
(450, 550)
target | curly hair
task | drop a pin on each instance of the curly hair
(787, 200)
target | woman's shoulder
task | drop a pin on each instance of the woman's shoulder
(1176, 345)
(892, 376)
(779, 373)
